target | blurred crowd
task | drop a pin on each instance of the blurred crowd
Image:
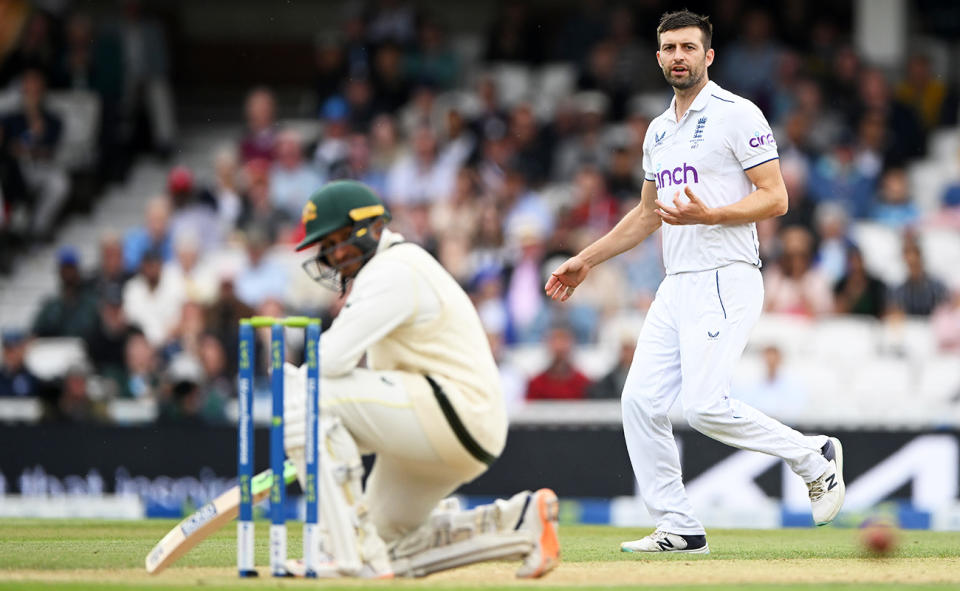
(498, 185)
(79, 100)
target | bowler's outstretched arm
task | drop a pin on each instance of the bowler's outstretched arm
(634, 228)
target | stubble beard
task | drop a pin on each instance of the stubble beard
(694, 77)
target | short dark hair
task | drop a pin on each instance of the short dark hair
(682, 19)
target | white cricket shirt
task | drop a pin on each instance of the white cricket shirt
(721, 136)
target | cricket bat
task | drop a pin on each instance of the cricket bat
(209, 519)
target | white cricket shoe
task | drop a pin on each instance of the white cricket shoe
(827, 492)
(540, 517)
(662, 541)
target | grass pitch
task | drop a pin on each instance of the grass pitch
(97, 555)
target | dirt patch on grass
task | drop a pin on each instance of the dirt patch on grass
(633, 572)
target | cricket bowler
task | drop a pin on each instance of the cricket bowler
(711, 172)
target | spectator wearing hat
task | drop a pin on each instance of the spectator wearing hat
(16, 379)
(73, 311)
(332, 148)
(194, 213)
(152, 302)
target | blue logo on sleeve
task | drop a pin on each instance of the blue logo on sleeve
(658, 137)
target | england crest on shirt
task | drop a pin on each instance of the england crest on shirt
(697, 138)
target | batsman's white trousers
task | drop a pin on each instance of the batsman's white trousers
(408, 478)
(691, 340)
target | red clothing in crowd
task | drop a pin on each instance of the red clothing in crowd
(572, 386)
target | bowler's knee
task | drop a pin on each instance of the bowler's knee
(703, 417)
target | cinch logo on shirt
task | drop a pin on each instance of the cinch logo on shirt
(677, 176)
(761, 140)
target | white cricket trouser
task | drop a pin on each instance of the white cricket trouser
(692, 338)
(408, 477)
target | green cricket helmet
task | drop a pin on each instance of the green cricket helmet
(337, 205)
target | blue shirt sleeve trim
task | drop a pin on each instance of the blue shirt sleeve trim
(722, 99)
(764, 162)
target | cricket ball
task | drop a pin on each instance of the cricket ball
(879, 538)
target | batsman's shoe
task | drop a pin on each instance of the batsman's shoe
(540, 518)
(827, 492)
(662, 541)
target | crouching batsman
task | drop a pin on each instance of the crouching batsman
(428, 404)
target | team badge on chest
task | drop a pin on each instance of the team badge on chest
(697, 138)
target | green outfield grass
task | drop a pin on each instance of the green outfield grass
(87, 555)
